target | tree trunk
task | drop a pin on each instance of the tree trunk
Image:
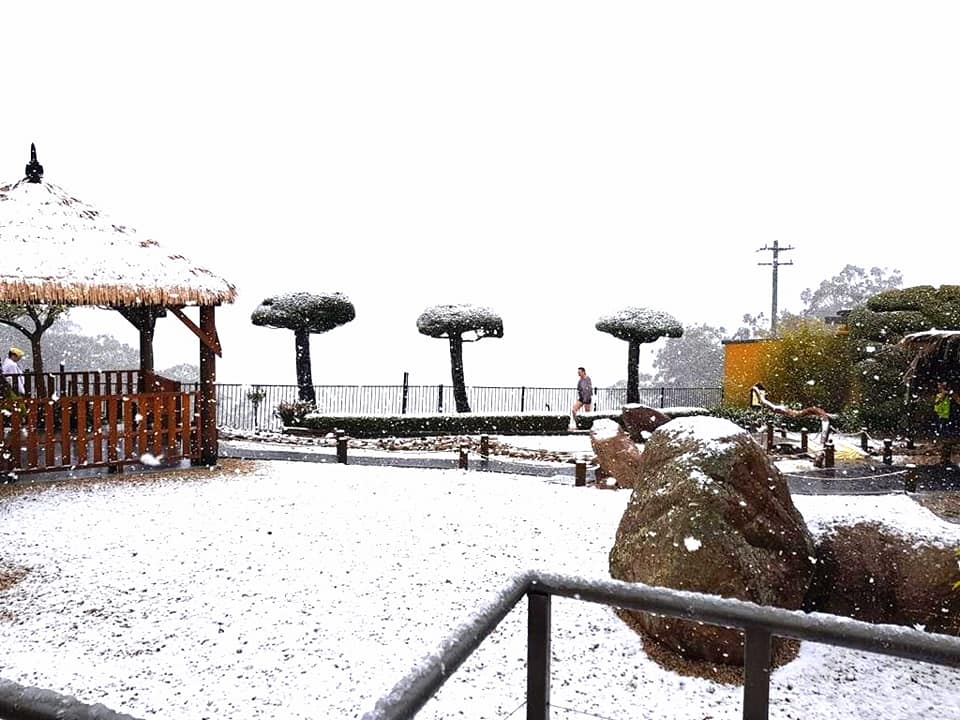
(304, 374)
(39, 382)
(456, 369)
(633, 370)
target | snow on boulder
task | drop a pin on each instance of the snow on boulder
(639, 419)
(711, 513)
(618, 456)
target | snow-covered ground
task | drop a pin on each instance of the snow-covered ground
(307, 591)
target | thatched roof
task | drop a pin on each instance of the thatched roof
(931, 348)
(56, 249)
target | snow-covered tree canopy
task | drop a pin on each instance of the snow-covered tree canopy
(640, 324)
(444, 321)
(310, 312)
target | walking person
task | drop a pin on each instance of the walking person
(10, 367)
(584, 394)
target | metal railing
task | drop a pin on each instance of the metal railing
(250, 407)
(759, 623)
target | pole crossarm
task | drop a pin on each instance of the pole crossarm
(775, 264)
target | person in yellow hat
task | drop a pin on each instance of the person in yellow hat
(11, 366)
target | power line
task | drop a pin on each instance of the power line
(776, 263)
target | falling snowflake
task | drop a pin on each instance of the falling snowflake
(692, 544)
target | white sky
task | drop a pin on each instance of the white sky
(554, 161)
(256, 596)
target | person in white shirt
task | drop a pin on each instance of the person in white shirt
(11, 366)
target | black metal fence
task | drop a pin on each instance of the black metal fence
(759, 623)
(250, 407)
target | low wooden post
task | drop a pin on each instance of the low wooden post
(828, 454)
(341, 447)
(463, 457)
(887, 451)
(580, 473)
(864, 439)
(769, 437)
(783, 431)
(804, 440)
(910, 445)
(484, 446)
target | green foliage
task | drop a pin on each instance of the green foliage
(372, 426)
(875, 330)
(809, 366)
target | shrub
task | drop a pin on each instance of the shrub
(373, 426)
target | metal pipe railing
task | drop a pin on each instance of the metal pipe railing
(759, 623)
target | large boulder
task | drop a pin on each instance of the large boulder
(872, 573)
(710, 513)
(639, 419)
(618, 457)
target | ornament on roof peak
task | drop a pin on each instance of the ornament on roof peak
(34, 169)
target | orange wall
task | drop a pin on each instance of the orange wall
(741, 368)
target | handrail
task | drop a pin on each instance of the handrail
(18, 702)
(760, 623)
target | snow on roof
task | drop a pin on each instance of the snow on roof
(57, 249)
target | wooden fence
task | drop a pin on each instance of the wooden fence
(68, 430)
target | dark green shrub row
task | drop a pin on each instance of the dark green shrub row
(374, 426)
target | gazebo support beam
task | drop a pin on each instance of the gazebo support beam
(207, 337)
(144, 319)
(207, 396)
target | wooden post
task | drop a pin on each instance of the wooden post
(462, 464)
(887, 451)
(769, 437)
(804, 440)
(910, 444)
(580, 473)
(864, 439)
(783, 431)
(484, 446)
(828, 454)
(341, 447)
(207, 396)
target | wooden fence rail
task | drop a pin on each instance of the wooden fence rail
(86, 431)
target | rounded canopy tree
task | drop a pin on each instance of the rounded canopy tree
(638, 325)
(304, 313)
(452, 322)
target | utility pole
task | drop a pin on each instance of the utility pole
(776, 250)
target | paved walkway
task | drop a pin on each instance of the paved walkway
(856, 478)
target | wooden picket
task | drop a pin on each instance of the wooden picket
(91, 430)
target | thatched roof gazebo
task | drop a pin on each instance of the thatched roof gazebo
(57, 250)
(936, 356)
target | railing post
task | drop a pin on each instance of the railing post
(580, 473)
(756, 674)
(523, 398)
(440, 398)
(406, 393)
(663, 396)
(538, 656)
